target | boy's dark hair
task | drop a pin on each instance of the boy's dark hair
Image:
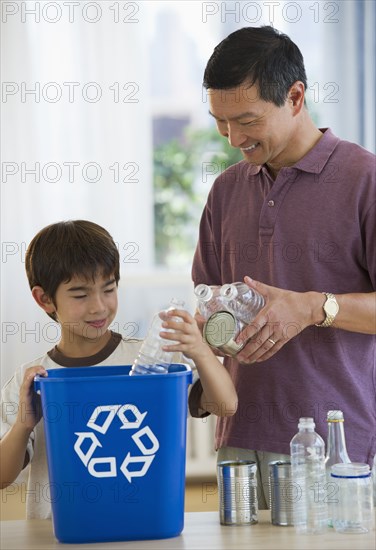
(260, 56)
(64, 249)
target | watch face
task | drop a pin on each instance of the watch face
(331, 307)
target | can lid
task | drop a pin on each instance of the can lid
(220, 328)
(237, 467)
(280, 463)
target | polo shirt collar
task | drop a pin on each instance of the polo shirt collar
(315, 160)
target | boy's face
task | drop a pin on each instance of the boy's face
(85, 308)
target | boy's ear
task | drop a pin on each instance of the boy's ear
(43, 300)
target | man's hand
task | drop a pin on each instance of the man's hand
(283, 317)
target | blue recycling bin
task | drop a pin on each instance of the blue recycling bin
(116, 447)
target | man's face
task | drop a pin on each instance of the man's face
(261, 130)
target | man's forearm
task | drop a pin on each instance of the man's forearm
(357, 312)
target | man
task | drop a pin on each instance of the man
(298, 215)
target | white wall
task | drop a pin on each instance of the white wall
(86, 62)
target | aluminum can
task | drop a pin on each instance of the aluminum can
(281, 492)
(237, 484)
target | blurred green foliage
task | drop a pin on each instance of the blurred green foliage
(183, 174)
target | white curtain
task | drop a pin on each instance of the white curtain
(76, 144)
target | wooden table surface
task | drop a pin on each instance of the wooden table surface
(202, 531)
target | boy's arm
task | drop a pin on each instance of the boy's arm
(219, 395)
(13, 455)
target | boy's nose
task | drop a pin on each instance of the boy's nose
(96, 304)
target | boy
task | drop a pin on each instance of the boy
(73, 273)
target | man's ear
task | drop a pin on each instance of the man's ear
(296, 96)
(43, 300)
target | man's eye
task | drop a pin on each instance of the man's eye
(79, 297)
(247, 123)
(110, 290)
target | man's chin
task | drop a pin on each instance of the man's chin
(253, 156)
(251, 160)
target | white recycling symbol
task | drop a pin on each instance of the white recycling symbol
(91, 442)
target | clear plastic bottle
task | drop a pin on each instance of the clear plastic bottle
(336, 451)
(242, 301)
(209, 300)
(309, 479)
(151, 358)
(352, 506)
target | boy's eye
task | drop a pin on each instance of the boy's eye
(110, 290)
(79, 297)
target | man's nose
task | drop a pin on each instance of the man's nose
(236, 137)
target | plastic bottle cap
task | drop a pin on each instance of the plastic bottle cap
(306, 422)
(229, 291)
(334, 416)
(175, 303)
(203, 292)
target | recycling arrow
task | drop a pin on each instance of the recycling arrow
(110, 460)
(127, 424)
(129, 474)
(111, 409)
(85, 457)
(154, 441)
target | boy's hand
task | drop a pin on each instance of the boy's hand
(200, 319)
(30, 407)
(186, 335)
(200, 323)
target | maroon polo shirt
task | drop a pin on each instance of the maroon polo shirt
(313, 228)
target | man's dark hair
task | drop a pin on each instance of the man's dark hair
(65, 249)
(260, 56)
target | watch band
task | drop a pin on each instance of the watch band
(329, 317)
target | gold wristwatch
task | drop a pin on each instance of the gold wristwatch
(331, 309)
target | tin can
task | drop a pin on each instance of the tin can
(281, 494)
(220, 331)
(237, 484)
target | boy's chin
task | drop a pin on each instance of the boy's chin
(93, 333)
